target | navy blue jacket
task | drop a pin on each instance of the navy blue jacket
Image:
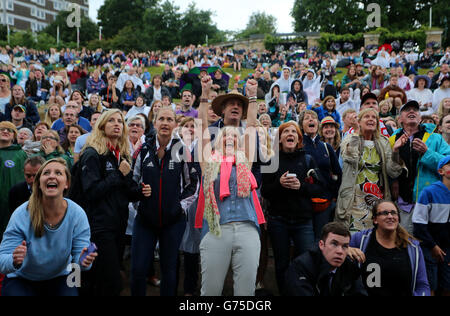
(327, 162)
(172, 181)
(32, 112)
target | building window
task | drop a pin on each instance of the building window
(9, 5)
(10, 20)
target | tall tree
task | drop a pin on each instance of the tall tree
(259, 23)
(195, 25)
(114, 15)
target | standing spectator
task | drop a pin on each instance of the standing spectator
(326, 270)
(18, 97)
(22, 74)
(432, 227)
(11, 168)
(81, 141)
(139, 107)
(73, 132)
(421, 149)
(32, 266)
(330, 134)
(229, 214)
(327, 162)
(130, 74)
(107, 187)
(394, 250)
(58, 93)
(160, 217)
(21, 192)
(444, 108)
(350, 120)
(368, 161)
(394, 94)
(95, 84)
(297, 92)
(290, 212)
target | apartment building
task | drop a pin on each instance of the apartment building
(35, 15)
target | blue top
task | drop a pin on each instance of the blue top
(84, 123)
(233, 208)
(48, 256)
(80, 142)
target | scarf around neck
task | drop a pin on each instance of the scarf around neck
(246, 183)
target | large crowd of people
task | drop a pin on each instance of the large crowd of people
(103, 164)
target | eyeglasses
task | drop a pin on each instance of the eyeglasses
(49, 137)
(5, 129)
(386, 213)
(134, 125)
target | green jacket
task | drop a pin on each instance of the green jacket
(53, 155)
(12, 161)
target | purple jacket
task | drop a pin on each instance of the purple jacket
(93, 86)
(420, 284)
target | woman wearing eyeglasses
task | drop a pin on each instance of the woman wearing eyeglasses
(391, 259)
(50, 148)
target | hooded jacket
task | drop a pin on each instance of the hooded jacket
(285, 84)
(299, 96)
(419, 286)
(12, 161)
(428, 162)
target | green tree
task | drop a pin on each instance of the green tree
(333, 16)
(22, 38)
(114, 15)
(195, 25)
(259, 23)
(162, 25)
(88, 29)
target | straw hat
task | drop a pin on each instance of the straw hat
(219, 102)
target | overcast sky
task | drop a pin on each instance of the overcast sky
(231, 15)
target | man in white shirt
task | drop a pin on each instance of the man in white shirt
(130, 74)
(345, 102)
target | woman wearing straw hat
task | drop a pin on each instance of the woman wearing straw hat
(330, 133)
(228, 210)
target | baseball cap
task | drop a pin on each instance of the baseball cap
(368, 96)
(24, 109)
(409, 104)
(443, 162)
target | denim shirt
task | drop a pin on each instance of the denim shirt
(233, 208)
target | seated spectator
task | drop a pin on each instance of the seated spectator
(72, 132)
(139, 107)
(24, 134)
(72, 117)
(51, 148)
(187, 100)
(18, 117)
(396, 253)
(444, 128)
(326, 270)
(95, 84)
(345, 102)
(219, 84)
(58, 93)
(21, 192)
(328, 108)
(38, 89)
(110, 95)
(52, 114)
(128, 96)
(422, 94)
(441, 93)
(156, 91)
(437, 79)
(18, 98)
(394, 94)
